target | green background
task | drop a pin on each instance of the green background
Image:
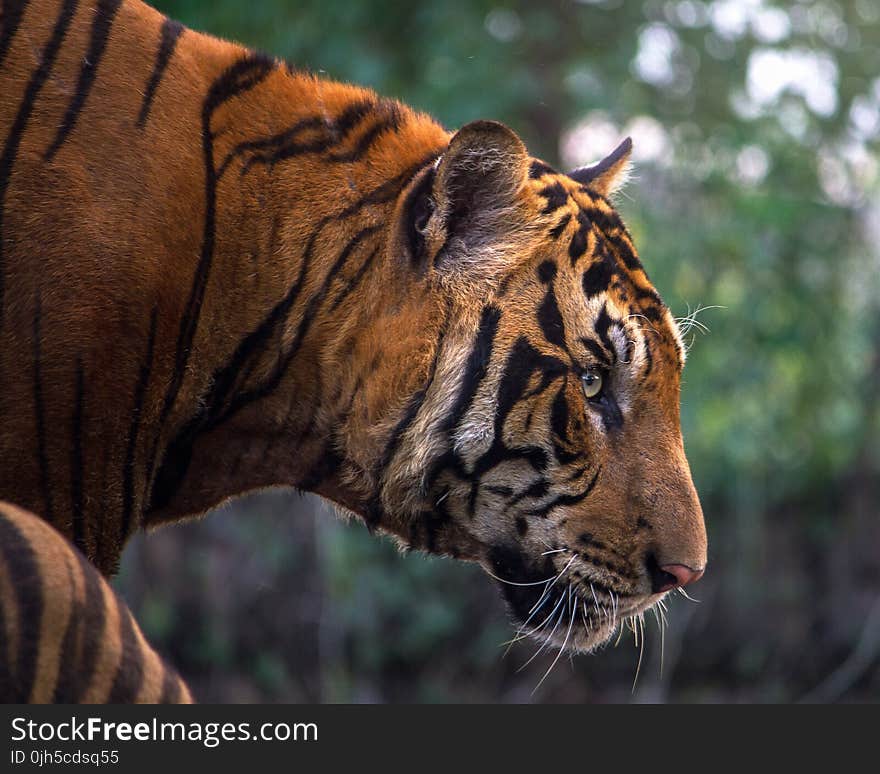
(755, 193)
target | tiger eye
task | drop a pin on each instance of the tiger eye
(592, 383)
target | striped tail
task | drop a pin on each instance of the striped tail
(65, 635)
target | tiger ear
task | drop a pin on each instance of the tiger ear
(608, 175)
(475, 186)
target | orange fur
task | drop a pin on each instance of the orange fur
(227, 275)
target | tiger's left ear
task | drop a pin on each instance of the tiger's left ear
(474, 190)
(608, 175)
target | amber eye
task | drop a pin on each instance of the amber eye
(592, 382)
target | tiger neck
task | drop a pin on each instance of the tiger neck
(305, 343)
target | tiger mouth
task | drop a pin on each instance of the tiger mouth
(570, 621)
(550, 607)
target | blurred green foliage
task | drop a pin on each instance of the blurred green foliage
(755, 195)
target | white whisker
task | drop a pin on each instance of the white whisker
(544, 595)
(514, 583)
(564, 643)
(521, 634)
(662, 646)
(546, 642)
(641, 625)
(587, 627)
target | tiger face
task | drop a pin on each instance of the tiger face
(548, 445)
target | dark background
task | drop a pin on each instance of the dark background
(755, 194)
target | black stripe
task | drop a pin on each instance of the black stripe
(649, 357)
(68, 672)
(522, 362)
(652, 311)
(223, 384)
(559, 416)
(538, 168)
(39, 411)
(547, 272)
(168, 37)
(105, 13)
(565, 499)
(76, 463)
(596, 351)
(556, 196)
(598, 277)
(557, 230)
(91, 614)
(538, 489)
(601, 325)
(476, 366)
(578, 245)
(289, 150)
(352, 283)
(413, 404)
(550, 319)
(350, 117)
(611, 226)
(134, 430)
(503, 491)
(612, 416)
(317, 299)
(328, 462)
(577, 473)
(565, 452)
(303, 327)
(24, 579)
(274, 143)
(242, 76)
(130, 672)
(13, 10)
(288, 143)
(389, 122)
(16, 132)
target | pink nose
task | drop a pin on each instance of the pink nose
(679, 575)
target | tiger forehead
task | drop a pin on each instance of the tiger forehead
(601, 250)
(561, 202)
(553, 191)
(584, 223)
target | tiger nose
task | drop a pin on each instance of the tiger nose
(672, 576)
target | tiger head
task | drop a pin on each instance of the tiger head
(545, 442)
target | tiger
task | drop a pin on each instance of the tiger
(220, 274)
(66, 636)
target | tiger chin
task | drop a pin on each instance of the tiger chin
(218, 275)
